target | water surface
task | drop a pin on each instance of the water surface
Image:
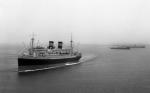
(102, 71)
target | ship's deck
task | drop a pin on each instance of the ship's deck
(48, 57)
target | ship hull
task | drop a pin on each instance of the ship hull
(120, 48)
(45, 61)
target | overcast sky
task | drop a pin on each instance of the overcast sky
(90, 21)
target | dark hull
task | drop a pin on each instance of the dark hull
(32, 61)
(119, 48)
(137, 47)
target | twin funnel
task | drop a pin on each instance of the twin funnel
(52, 46)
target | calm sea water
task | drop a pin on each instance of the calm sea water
(101, 70)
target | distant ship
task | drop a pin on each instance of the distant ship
(137, 46)
(38, 55)
(119, 47)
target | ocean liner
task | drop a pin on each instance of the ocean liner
(38, 55)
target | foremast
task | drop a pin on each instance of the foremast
(71, 44)
(31, 50)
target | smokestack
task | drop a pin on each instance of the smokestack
(51, 45)
(60, 45)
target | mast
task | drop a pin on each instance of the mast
(32, 42)
(32, 45)
(71, 44)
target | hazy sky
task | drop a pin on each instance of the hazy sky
(90, 21)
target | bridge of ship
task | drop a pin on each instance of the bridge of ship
(50, 52)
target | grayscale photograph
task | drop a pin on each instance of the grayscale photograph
(74, 46)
